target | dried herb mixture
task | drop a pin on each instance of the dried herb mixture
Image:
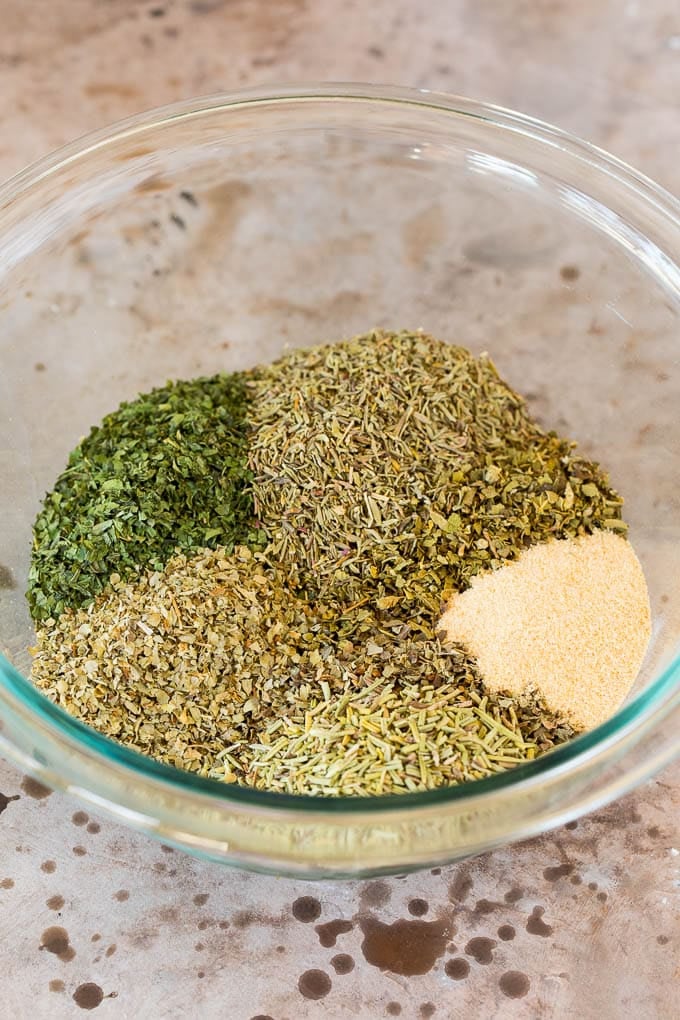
(242, 576)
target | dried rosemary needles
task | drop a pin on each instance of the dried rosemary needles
(382, 474)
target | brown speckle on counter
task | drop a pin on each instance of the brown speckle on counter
(536, 925)
(376, 893)
(342, 963)
(485, 906)
(481, 949)
(88, 995)
(457, 969)
(32, 788)
(328, 932)
(244, 918)
(514, 895)
(403, 947)
(7, 581)
(314, 984)
(558, 871)
(55, 940)
(461, 886)
(5, 800)
(514, 984)
(306, 909)
(104, 88)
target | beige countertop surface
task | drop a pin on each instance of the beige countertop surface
(582, 922)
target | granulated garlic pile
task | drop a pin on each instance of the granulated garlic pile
(569, 620)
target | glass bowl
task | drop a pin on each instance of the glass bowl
(209, 235)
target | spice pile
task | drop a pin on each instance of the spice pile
(243, 576)
(580, 609)
(166, 471)
(391, 469)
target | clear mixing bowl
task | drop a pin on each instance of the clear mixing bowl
(209, 235)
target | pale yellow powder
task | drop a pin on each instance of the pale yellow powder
(569, 619)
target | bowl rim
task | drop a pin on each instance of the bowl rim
(639, 714)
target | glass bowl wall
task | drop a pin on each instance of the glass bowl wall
(209, 236)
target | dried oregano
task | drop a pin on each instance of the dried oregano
(165, 471)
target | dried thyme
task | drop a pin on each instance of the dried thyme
(165, 471)
(394, 467)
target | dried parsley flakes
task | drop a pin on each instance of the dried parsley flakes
(166, 471)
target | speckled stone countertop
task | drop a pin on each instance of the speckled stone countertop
(584, 922)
